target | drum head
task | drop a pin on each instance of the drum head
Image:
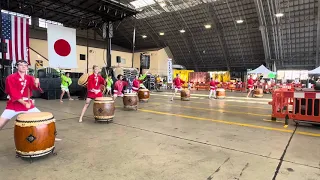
(103, 99)
(130, 94)
(143, 89)
(34, 116)
(220, 89)
(83, 79)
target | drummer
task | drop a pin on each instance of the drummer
(250, 85)
(136, 84)
(19, 88)
(93, 88)
(118, 87)
(213, 87)
(177, 82)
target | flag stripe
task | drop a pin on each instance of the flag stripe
(18, 30)
(14, 39)
(22, 38)
(27, 41)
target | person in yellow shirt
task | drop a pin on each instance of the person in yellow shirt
(158, 83)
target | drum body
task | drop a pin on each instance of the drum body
(83, 80)
(103, 109)
(185, 95)
(130, 101)
(232, 87)
(221, 93)
(258, 93)
(144, 95)
(34, 134)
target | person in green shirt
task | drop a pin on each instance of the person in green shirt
(65, 83)
(109, 84)
(141, 78)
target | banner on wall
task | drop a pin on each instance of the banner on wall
(61, 47)
(170, 71)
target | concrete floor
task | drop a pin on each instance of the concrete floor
(200, 139)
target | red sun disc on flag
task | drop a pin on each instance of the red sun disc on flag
(62, 47)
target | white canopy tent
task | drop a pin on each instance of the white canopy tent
(260, 70)
(315, 71)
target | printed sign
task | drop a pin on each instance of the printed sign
(39, 63)
(170, 71)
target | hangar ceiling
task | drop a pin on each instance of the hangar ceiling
(240, 34)
(271, 31)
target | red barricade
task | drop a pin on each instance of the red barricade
(296, 105)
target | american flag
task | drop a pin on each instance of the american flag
(15, 32)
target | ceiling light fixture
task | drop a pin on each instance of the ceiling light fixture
(162, 4)
(279, 15)
(182, 31)
(239, 21)
(161, 33)
(144, 36)
(207, 26)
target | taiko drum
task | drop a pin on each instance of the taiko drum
(103, 109)
(83, 80)
(258, 93)
(34, 134)
(221, 93)
(232, 87)
(185, 95)
(144, 95)
(130, 101)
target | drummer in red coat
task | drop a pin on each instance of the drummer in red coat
(19, 88)
(118, 87)
(177, 82)
(95, 81)
(213, 87)
(136, 84)
(250, 85)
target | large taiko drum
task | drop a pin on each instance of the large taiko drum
(221, 93)
(185, 95)
(130, 101)
(144, 95)
(258, 93)
(34, 134)
(232, 87)
(83, 80)
(103, 109)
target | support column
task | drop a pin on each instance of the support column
(220, 35)
(263, 29)
(133, 44)
(87, 51)
(109, 34)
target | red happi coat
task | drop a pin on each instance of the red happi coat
(213, 85)
(178, 83)
(136, 85)
(118, 87)
(17, 88)
(94, 84)
(250, 83)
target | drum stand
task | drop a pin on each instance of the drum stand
(31, 157)
(104, 121)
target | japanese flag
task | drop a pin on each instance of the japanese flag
(61, 47)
